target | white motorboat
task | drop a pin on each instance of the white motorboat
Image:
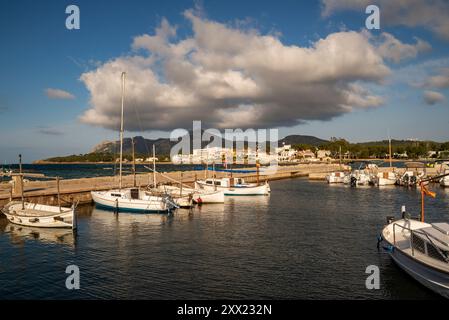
(38, 215)
(410, 178)
(421, 249)
(444, 182)
(336, 177)
(233, 187)
(444, 169)
(133, 200)
(358, 178)
(200, 196)
(386, 178)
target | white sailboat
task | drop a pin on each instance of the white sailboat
(131, 199)
(387, 178)
(421, 249)
(38, 215)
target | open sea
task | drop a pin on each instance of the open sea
(307, 240)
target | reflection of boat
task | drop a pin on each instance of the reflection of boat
(234, 187)
(38, 215)
(45, 235)
(420, 249)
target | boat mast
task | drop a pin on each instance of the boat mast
(121, 129)
(21, 182)
(134, 163)
(154, 166)
(59, 193)
(340, 157)
(213, 175)
(389, 147)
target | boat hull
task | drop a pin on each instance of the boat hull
(40, 216)
(261, 190)
(433, 279)
(386, 182)
(103, 200)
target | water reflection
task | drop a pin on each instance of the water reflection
(20, 234)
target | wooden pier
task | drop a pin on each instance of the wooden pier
(45, 192)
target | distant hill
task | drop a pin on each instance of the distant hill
(107, 150)
(299, 139)
(164, 145)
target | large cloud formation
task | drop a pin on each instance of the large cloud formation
(430, 14)
(229, 77)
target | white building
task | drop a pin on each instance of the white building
(286, 153)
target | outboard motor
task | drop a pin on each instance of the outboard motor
(353, 181)
(413, 181)
(405, 180)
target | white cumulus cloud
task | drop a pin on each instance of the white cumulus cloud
(429, 14)
(232, 77)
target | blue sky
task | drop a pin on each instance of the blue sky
(39, 53)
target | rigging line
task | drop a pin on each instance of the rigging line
(139, 121)
(169, 178)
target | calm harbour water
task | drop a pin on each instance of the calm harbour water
(307, 240)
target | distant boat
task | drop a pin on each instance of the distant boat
(234, 187)
(336, 177)
(38, 215)
(388, 178)
(131, 199)
(444, 169)
(362, 176)
(200, 196)
(444, 182)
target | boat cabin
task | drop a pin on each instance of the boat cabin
(226, 182)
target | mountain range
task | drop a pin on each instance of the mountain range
(144, 146)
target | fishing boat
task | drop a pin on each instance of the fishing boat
(38, 215)
(131, 199)
(421, 249)
(388, 178)
(336, 177)
(199, 196)
(234, 187)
